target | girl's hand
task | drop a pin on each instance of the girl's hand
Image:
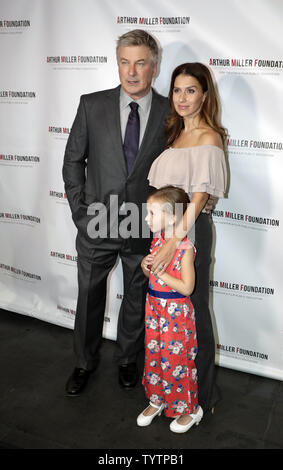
(147, 263)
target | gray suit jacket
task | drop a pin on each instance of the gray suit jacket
(94, 163)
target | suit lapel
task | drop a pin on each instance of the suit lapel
(112, 114)
(155, 114)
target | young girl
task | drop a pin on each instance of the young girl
(170, 375)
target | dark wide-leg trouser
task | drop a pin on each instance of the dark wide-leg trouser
(92, 281)
(205, 359)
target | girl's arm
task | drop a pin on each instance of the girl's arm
(186, 284)
(165, 254)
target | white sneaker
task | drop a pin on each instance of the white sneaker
(143, 420)
(196, 419)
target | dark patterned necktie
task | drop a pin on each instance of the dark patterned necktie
(132, 136)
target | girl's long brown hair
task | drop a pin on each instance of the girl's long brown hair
(210, 110)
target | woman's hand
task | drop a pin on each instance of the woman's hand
(163, 257)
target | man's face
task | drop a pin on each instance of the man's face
(136, 70)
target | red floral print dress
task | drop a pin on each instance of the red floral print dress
(170, 374)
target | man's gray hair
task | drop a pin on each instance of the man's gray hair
(139, 37)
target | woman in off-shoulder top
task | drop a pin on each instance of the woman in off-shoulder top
(194, 160)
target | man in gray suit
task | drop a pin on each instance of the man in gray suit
(111, 147)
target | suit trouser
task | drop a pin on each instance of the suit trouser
(92, 282)
(205, 359)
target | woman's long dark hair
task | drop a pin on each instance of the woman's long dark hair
(210, 110)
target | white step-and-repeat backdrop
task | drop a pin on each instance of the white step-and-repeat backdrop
(53, 51)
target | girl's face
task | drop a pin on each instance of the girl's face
(187, 96)
(159, 216)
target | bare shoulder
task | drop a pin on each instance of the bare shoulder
(210, 137)
(188, 254)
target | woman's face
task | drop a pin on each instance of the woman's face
(187, 96)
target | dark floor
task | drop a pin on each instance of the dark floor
(35, 361)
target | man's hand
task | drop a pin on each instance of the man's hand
(209, 206)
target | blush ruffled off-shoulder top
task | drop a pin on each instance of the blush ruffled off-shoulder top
(195, 169)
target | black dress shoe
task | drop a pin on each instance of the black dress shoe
(128, 375)
(77, 382)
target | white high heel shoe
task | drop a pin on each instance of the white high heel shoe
(196, 419)
(143, 420)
